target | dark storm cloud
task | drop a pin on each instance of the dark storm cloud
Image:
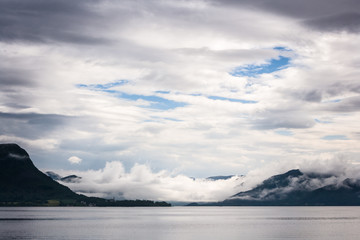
(44, 21)
(324, 15)
(30, 125)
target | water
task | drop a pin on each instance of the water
(181, 223)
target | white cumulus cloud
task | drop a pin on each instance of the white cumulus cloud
(74, 160)
(113, 181)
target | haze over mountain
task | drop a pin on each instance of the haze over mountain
(57, 177)
(215, 178)
(21, 183)
(142, 182)
(297, 188)
(291, 188)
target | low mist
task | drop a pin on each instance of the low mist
(140, 182)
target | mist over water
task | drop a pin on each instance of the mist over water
(250, 223)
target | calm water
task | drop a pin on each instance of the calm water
(182, 223)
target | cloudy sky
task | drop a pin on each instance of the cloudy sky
(181, 88)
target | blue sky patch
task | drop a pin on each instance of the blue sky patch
(275, 64)
(285, 49)
(232, 99)
(335, 137)
(159, 119)
(103, 86)
(321, 121)
(196, 94)
(284, 133)
(155, 102)
(334, 101)
(162, 92)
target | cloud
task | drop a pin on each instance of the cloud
(308, 95)
(349, 21)
(31, 125)
(113, 181)
(275, 120)
(350, 104)
(318, 173)
(335, 137)
(74, 160)
(254, 70)
(324, 15)
(23, 21)
(11, 78)
(151, 101)
(140, 182)
(305, 182)
(128, 81)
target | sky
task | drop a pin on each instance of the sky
(166, 91)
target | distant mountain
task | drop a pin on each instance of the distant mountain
(54, 176)
(71, 179)
(295, 188)
(67, 179)
(22, 184)
(215, 178)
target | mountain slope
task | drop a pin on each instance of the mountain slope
(295, 188)
(21, 181)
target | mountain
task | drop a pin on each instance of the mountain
(21, 181)
(295, 188)
(53, 176)
(71, 178)
(67, 179)
(22, 184)
(215, 178)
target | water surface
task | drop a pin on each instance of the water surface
(180, 223)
